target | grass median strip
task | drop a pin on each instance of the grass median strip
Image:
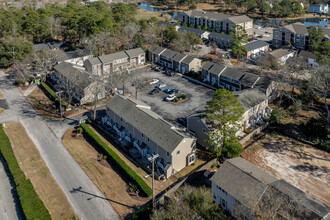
(36, 170)
(32, 205)
(110, 153)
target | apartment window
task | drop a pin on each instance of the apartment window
(126, 123)
(121, 119)
(204, 130)
(142, 135)
(167, 154)
(223, 203)
(178, 153)
(148, 139)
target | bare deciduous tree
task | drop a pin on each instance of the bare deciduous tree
(128, 34)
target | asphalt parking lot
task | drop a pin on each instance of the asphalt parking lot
(265, 32)
(197, 94)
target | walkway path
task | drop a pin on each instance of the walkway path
(87, 201)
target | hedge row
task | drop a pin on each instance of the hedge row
(52, 93)
(131, 174)
(32, 205)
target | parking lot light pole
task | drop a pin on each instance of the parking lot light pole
(154, 157)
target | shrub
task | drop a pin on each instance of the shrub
(33, 207)
(143, 213)
(113, 156)
(277, 115)
(52, 94)
(183, 96)
(214, 165)
(79, 130)
(88, 121)
(175, 99)
(50, 91)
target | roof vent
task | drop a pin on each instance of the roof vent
(204, 12)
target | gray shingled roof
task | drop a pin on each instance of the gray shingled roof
(263, 83)
(158, 50)
(255, 45)
(79, 78)
(134, 52)
(109, 58)
(249, 79)
(216, 69)
(307, 54)
(250, 97)
(248, 184)
(208, 15)
(217, 16)
(318, 209)
(73, 54)
(240, 19)
(42, 46)
(178, 57)
(139, 115)
(221, 36)
(196, 31)
(233, 73)
(188, 59)
(169, 53)
(94, 61)
(280, 53)
(208, 65)
(243, 180)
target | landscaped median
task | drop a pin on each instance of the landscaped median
(32, 205)
(113, 156)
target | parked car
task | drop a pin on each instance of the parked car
(156, 68)
(169, 73)
(154, 91)
(171, 90)
(170, 97)
(154, 81)
(161, 85)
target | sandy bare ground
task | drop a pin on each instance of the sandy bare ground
(301, 165)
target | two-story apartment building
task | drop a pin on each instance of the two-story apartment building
(203, 34)
(150, 134)
(221, 40)
(74, 80)
(228, 78)
(296, 35)
(255, 49)
(255, 104)
(120, 61)
(318, 8)
(173, 60)
(218, 21)
(281, 56)
(244, 189)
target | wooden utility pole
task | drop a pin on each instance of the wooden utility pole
(59, 95)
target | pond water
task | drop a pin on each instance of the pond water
(147, 7)
(307, 21)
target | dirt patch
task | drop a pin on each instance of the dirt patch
(42, 104)
(109, 179)
(235, 62)
(2, 96)
(103, 176)
(35, 169)
(144, 14)
(299, 164)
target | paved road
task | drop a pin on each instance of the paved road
(86, 199)
(8, 209)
